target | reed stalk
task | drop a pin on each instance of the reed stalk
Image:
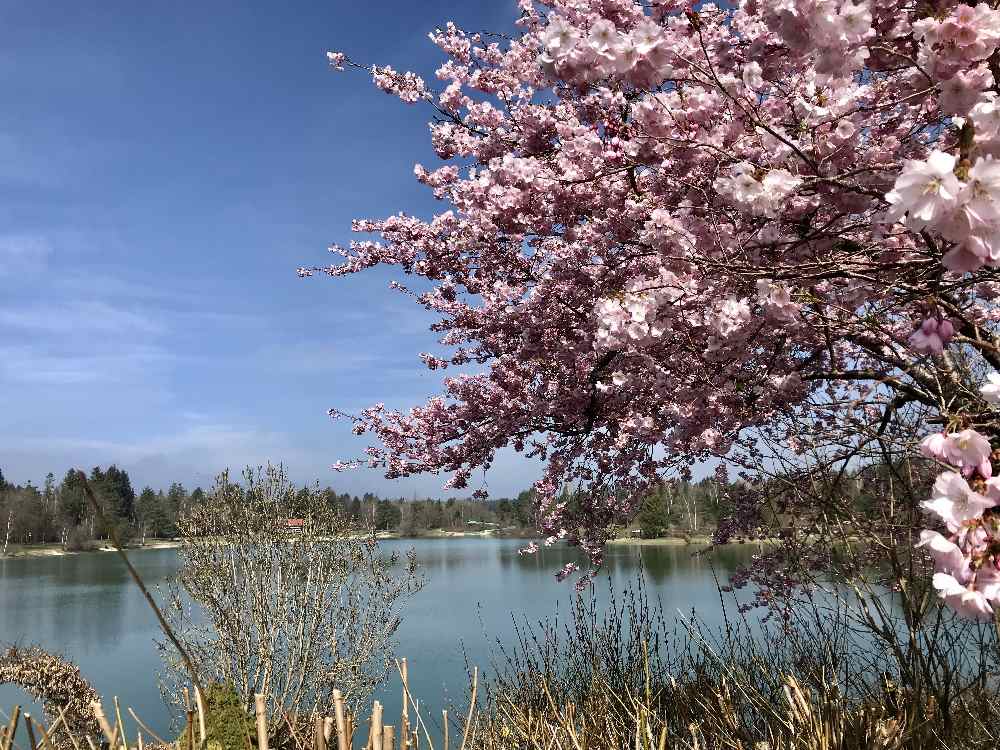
(119, 548)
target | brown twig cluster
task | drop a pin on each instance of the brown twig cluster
(66, 696)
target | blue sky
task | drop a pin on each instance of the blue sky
(164, 168)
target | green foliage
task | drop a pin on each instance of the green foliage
(387, 515)
(228, 724)
(653, 516)
(72, 501)
(117, 492)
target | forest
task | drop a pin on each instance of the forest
(57, 511)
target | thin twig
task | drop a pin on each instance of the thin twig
(116, 540)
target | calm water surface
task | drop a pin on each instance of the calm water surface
(86, 607)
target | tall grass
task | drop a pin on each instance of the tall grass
(829, 675)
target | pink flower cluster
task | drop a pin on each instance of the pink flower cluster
(670, 228)
(967, 567)
(954, 50)
(966, 450)
(762, 197)
(833, 30)
(601, 49)
(966, 212)
(932, 336)
(407, 86)
(337, 60)
(967, 573)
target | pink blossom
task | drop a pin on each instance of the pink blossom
(927, 339)
(963, 90)
(925, 190)
(955, 502)
(567, 570)
(337, 60)
(933, 445)
(752, 76)
(966, 449)
(967, 602)
(948, 557)
(639, 258)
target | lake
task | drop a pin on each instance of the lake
(88, 609)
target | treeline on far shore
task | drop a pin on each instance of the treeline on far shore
(57, 512)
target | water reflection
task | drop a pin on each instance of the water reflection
(477, 589)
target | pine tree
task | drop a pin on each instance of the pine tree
(653, 516)
(72, 501)
(119, 493)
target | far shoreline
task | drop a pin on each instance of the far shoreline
(20, 552)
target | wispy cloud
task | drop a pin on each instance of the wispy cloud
(30, 365)
(75, 317)
(195, 453)
(22, 254)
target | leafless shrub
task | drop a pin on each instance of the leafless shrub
(278, 596)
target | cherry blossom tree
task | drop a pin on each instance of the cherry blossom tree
(763, 234)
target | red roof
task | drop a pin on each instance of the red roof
(295, 523)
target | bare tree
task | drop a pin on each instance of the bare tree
(10, 523)
(277, 595)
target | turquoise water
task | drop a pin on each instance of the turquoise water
(87, 608)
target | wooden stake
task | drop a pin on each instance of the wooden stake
(376, 732)
(200, 701)
(190, 729)
(350, 730)
(404, 722)
(388, 737)
(120, 726)
(343, 741)
(472, 705)
(319, 737)
(109, 733)
(47, 733)
(260, 707)
(7, 738)
(149, 731)
(444, 723)
(72, 739)
(328, 725)
(31, 732)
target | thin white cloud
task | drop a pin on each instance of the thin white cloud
(195, 453)
(28, 365)
(23, 254)
(79, 317)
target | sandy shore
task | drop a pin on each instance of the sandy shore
(699, 541)
(55, 550)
